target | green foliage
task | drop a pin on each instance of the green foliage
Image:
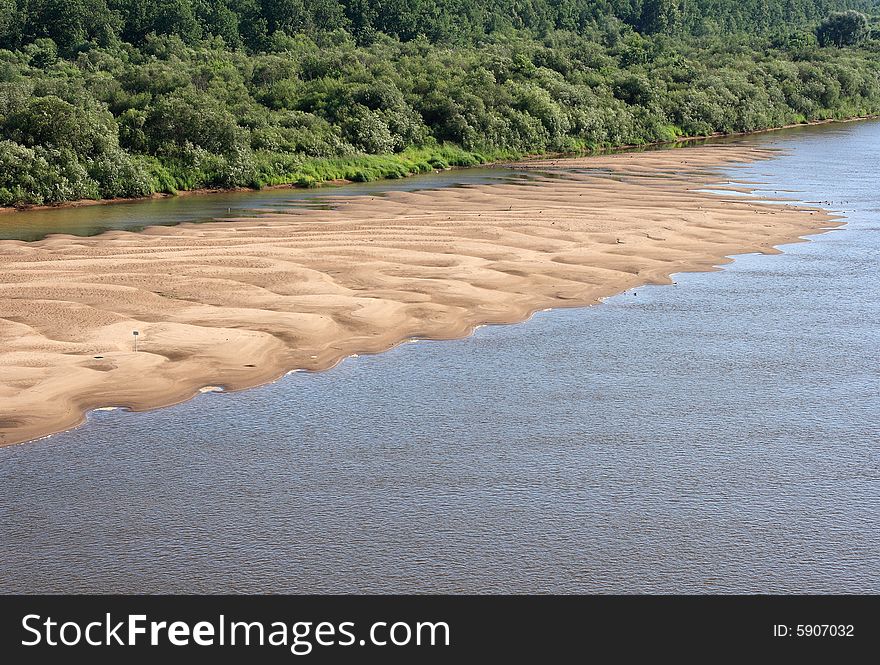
(657, 16)
(113, 98)
(256, 23)
(52, 122)
(189, 117)
(843, 29)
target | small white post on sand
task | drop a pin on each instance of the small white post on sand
(135, 333)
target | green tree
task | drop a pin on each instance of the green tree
(361, 15)
(253, 25)
(12, 21)
(175, 17)
(190, 117)
(843, 29)
(657, 16)
(50, 121)
(327, 15)
(288, 16)
(43, 52)
(219, 20)
(63, 21)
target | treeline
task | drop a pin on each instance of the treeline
(252, 23)
(166, 112)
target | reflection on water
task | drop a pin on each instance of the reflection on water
(91, 220)
(720, 435)
(136, 215)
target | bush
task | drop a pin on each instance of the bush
(367, 130)
(843, 29)
(188, 99)
(190, 118)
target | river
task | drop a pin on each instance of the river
(721, 435)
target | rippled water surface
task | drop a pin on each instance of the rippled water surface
(719, 435)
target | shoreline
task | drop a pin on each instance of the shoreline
(304, 290)
(681, 141)
(222, 389)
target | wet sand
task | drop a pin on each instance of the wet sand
(241, 302)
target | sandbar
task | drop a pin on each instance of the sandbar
(238, 303)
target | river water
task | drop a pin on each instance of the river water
(719, 435)
(91, 220)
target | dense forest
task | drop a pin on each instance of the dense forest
(119, 98)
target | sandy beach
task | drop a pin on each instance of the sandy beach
(239, 303)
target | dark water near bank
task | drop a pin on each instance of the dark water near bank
(90, 220)
(720, 435)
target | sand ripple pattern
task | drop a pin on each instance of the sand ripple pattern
(238, 303)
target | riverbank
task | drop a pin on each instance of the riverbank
(316, 172)
(239, 303)
(408, 164)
